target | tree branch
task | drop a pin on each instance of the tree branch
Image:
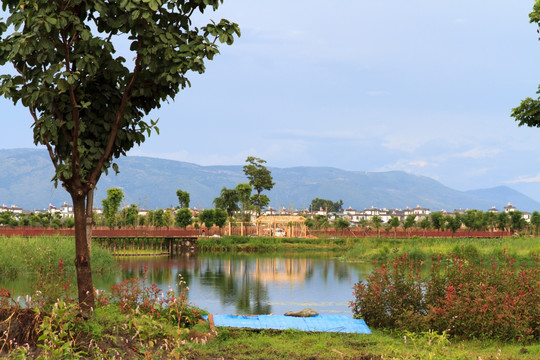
(119, 115)
(75, 156)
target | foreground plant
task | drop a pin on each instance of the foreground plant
(138, 319)
(495, 301)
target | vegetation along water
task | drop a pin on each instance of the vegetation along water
(136, 319)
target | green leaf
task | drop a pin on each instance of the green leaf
(153, 5)
(62, 85)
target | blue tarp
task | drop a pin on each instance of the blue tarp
(323, 323)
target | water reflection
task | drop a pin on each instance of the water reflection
(245, 284)
(239, 284)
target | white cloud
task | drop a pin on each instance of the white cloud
(525, 179)
(419, 163)
(403, 142)
(407, 165)
(478, 153)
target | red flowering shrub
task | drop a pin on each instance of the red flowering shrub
(134, 295)
(460, 297)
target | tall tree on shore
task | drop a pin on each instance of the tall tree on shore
(88, 103)
(183, 198)
(227, 200)
(111, 205)
(244, 196)
(184, 218)
(260, 178)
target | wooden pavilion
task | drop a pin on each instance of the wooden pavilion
(281, 225)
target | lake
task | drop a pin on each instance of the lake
(251, 284)
(242, 284)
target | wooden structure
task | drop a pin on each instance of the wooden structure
(281, 225)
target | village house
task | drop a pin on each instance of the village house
(509, 208)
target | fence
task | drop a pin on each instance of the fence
(143, 232)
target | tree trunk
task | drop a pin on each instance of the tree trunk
(89, 219)
(82, 257)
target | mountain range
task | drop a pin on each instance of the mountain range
(25, 181)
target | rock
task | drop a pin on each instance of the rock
(309, 312)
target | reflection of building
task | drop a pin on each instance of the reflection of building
(286, 271)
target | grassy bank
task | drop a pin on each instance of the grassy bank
(268, 244)
(29, 255)
(379, 249)
(238, 344)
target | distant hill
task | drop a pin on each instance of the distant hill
(152, 183)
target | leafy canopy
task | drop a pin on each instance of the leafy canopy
(327, 205)
(183, 198)
(87, 101)
(111, 205)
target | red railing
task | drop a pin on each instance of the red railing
(249, 230)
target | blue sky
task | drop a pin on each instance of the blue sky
(420, 86)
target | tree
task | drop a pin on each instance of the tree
(453, 223)
(424, 223)
(394, 224)
(87, 102)
(168, 218)
(159, 219)
(206, 217)
(69, 222)
(327, 205)
(111, 205)
(490, 219)
(517, 222)
(437, 220)
(228, 201)
(244, 195)
(341, 224)
(220, 217)
(528, 112)
(132, 215)
(503, 221)
(409, 222)
(183, 218)
(259, 202)
(535, 221)
(320, 221)
(183, 198)
(376, 221)
(260, 179)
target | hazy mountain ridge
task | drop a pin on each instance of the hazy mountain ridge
(152, 183)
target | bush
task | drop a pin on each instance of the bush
(465, 299)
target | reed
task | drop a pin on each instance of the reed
(373, 249)
(26, 255)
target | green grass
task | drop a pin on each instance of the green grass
(25, 255)
(269, 244)
(373, 249)
(240, 344)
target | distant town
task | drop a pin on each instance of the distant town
(353, 216)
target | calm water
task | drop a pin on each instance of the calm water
(249, 284)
